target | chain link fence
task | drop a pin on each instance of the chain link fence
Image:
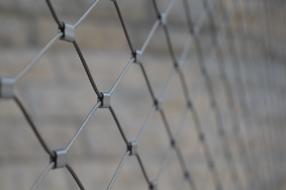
(213, 35)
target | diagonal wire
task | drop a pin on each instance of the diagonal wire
(163, 93)
(53, 12)
(83, 125)
(210, 93)
(86, 13)
(121, 75)
(112, 111)
(160, 110)
(42, 176)
(30, 121)
(37, 57)
(75, 177)
(120, 128)
(115, 175)
(166, 125)
(124, 27)
(86, 68)
(168, 152)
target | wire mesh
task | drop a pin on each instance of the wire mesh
(67, 32)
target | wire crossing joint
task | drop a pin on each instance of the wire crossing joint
(105, 100)
(60, 158)
(132, 148)
(202, 137)
(138, 53)
(173, 143)
(187, 175)
(152, 186)
(190, 105)
(157, 104)
(177, 66)
(163, 18)
(7, 87)
(211, 164)
(135, 55)
(68, 33)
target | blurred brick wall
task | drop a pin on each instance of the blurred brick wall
(58, 94)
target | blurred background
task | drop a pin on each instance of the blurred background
(250, 35)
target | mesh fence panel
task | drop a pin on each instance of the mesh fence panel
(222, 30)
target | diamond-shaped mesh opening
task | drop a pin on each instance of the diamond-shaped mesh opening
(109, 42)
(17, 144)
(171, 176)
(57, 103)
(161, 64)
(132, 94)
(21, 151)
(194, 154)
(174, 103)
(138, 24)
(73, 11)
(16, 31)
(154, 145)
(130, 176)
(100, 125)
(155, 65)
(187, 138)
(58, 179)
(216, 69)
(177, 28)
(98, 150)
(19, 172)
(163, 4)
